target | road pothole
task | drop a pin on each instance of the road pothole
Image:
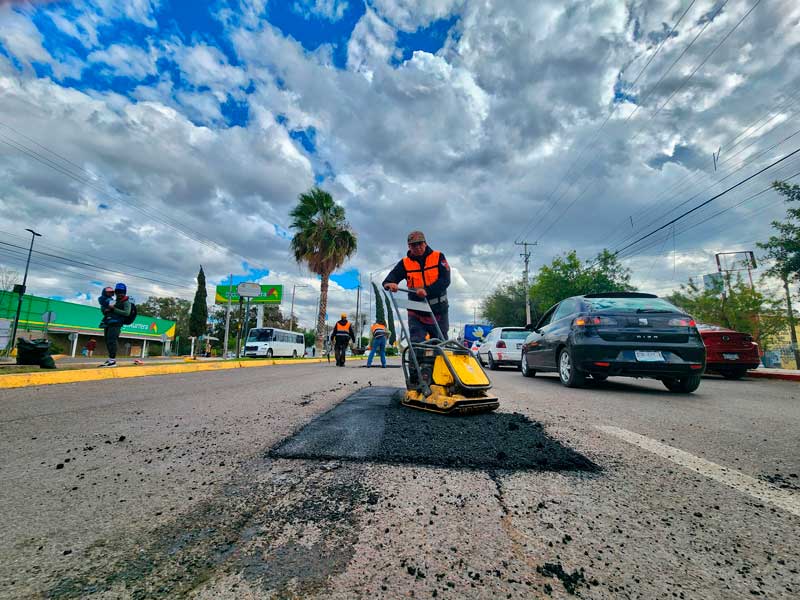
(372, 426)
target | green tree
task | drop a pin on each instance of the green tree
(390, 323)
(567, 276)
(736, 306)
(273, 317)
(506, 305)
(323, 242)
(172, 309)
(380, 315)
(198, 319)
(783, 250)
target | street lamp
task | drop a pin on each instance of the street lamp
(291, 312)
(21, 290)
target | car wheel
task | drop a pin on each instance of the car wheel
(492, 364)
(569, 375)
(525, 368)
(294, 354)
(683, 385)
(734, 373)
(269, 353)
(599, 376)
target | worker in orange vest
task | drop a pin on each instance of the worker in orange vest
(341, 337)
(427, 275)
(379, 336)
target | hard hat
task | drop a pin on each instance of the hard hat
(120, 287)
(344, 315)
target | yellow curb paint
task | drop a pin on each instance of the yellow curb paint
(19, 380)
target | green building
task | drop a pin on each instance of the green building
(72, 325)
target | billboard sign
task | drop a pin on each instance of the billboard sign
(476, 332)
(248, 290)
(269, 294)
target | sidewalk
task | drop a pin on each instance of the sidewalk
(786, 374)
(128, 369)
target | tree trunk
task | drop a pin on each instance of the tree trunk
(323, 308)
(792, 331)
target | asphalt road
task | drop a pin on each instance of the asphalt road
(281, 483)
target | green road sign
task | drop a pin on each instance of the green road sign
(270, 294)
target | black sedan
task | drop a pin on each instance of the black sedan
(618, 333)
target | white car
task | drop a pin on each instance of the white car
(503, 346)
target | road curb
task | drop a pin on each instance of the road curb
(20, 380)
(783, 376)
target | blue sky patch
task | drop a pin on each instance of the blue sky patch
(307, 139)
(347, 279)
(313, 32)
(620, 95)
(428, 39)
(235, 112)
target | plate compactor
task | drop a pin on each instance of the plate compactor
(441, 375)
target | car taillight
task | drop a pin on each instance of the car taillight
(594, 322)
(682, 323)
(501, 344)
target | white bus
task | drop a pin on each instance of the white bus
(269, 342)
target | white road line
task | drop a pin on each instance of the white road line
(784, 499)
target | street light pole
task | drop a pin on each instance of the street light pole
(291, 312)
(10, 347)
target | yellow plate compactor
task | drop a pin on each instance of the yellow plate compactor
(441, 375)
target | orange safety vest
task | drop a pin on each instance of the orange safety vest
(340, 329)
(428, 275)
(378, 330)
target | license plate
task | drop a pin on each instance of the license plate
(730, 356)
(645, 356)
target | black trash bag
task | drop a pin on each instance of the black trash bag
(35, 352)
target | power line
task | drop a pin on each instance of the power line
(575, 161)
(93, 266)
(134, 203)
(739, 168)
(710, 200)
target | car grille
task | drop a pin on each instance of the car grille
(251, 348)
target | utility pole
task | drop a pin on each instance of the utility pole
(291, 312)
(227, 318)
(21, 290)
(358, 310)
(527, 256)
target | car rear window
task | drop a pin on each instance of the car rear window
(511, 334)
(631, 304)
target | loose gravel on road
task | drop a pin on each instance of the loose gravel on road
(309, 482)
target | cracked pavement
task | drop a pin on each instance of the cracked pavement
(207, 486)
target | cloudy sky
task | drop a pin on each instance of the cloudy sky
(147, 137)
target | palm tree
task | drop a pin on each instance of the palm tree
(323, 242)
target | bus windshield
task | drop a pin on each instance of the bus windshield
(260, 335)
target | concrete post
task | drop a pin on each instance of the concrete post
(259, 315)
(75, 343)
(144, 349)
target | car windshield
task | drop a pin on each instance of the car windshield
(631, 305)
(513, 334)
(260, 335)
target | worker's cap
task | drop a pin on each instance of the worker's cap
(344, 315)
(120, 287)
(415, 237)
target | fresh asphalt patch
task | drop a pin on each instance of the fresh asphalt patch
(372, 426)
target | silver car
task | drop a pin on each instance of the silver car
(503, 346)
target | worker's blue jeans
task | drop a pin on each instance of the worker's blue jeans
(380, 345)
